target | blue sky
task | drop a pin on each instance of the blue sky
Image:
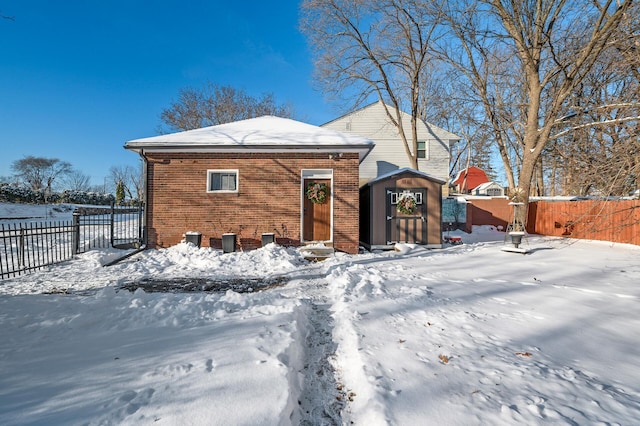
(80, 78)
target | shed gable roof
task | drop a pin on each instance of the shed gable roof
(265, 133)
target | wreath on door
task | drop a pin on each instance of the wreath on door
(317, 192)
(407, 203)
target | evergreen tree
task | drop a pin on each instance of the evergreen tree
(119, 193)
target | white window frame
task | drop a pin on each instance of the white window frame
(396, 195)
(426, 150)
(222, 171)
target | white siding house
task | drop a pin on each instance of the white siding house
(389, 152)
(490, 189)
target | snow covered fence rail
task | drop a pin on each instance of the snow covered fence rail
(25, 247)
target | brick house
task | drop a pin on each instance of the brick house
(251, 177)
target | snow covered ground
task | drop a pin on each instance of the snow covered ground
(460, 336)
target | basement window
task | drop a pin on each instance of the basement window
(222, 181)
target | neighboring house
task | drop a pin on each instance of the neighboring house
(383, 222)
(468, 179)
(250, 178)
(490, 189)
(389, 153)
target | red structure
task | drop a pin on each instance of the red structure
(468, 179)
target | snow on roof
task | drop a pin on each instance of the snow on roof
(266, 132)
(486, 185)
(404, 170)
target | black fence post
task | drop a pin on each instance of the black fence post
(76, 233)
(21, 262)
(141, 237)
(113, 213)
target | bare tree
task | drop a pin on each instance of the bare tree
(380, 48)
(77, 181)
(597, 150)
(552, 45)
(39, 173)
(130, 179)
(214, 104)
(448, 107)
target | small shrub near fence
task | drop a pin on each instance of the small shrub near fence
(32, 246)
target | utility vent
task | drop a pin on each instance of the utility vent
(348, 126)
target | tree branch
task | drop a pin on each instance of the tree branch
(593, 124)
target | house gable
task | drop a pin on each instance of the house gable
(389, 153)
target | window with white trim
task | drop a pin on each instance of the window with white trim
(222, 181)
(422, 149)
(395, 196)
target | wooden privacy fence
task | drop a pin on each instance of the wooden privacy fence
(25, 247)
(606, 220)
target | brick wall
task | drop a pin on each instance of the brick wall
(268, 198)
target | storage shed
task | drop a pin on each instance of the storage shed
(403, 206)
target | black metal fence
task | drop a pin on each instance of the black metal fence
(25, 247)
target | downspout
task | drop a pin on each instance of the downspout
(143, 246)
(146, 197)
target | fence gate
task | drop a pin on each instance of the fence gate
(115, 226)
(406, 228)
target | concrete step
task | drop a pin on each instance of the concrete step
(316, 252)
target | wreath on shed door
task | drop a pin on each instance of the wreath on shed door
(317, 192)
(407, 203)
